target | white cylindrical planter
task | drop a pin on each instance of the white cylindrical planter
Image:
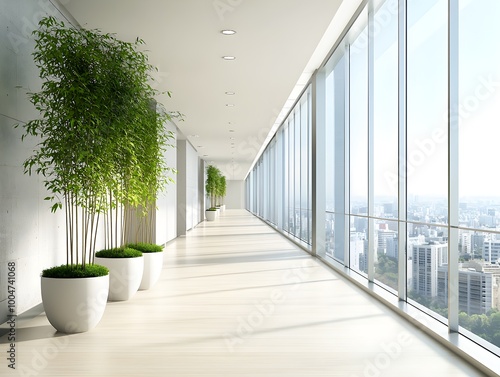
(74, 305)
(153, 264)
(125, 275)
(210, 215)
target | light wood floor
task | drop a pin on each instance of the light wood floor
(237, 299)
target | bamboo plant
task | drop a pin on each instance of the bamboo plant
(212, 184)
(101, 142)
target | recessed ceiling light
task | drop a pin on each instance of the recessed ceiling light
(200, 146)
(228, 57)
(231, 130)
(230, 93)
(232, 138)
(205, 155)
(230, 104)
(194, 135)
(228, 32)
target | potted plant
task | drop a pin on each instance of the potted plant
(76, 102)
(96, 111)
(222, 192)
(211, 186)
(138, 171)
(153, 262)
(211, 213)
(126, 267)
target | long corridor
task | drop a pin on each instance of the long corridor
(238, 299)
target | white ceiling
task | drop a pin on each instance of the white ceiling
(273, 45)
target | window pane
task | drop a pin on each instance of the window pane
(298, 172)
(335, 157)
(286, 185)
(330, 142)
(478, 114)
(291, 175)
(386, 253)
(385, 99)
(358, 244)
(428, 267)
(358, 84)
(304, 171)
(427, 85)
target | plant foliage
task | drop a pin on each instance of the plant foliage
(119, 252)
(75, 271)
(146, 247)
(215, 184)
(102, 139)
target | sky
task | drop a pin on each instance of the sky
(479, 101)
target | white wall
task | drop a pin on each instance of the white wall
(235, 195)
(188, 186)
(30, 235)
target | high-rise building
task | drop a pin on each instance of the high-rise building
(465, 242)
(426, 260)
(475, 290)
(383, 236)
(491, 251)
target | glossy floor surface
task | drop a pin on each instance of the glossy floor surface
(237, 299)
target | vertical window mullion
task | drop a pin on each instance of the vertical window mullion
(318, 163)
(453, 103)
(370, 126)
(347, 151)
(402, 215)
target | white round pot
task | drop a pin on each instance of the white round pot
(125, 275)
(74, 305)
(210, 215)
(153, 264)
(223, 207)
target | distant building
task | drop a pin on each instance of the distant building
(491, 251)
(426, 260)
(477, 242)
(384, 236)
(357, 251)
(475, 290)
(465, 242)
(487, 221)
